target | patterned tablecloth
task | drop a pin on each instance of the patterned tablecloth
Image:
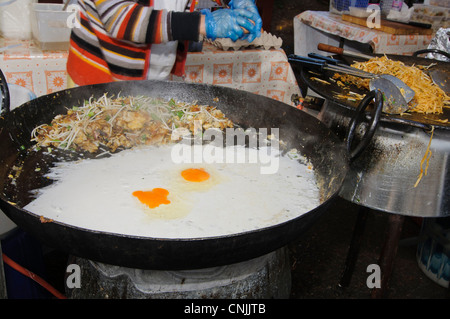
(309, 23)
(24, 64)
(264, 72)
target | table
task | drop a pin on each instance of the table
(264, 72)
(313, 27)
(25, 64)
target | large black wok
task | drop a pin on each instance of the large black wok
(328, 91)
(298, 129)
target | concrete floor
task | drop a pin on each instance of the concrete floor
(319, 257)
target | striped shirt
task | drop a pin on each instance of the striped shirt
(114, 40)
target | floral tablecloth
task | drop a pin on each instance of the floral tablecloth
(381, 42)
(25, 64)
(264, 72)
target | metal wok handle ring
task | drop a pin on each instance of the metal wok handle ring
(4, 94)
(360, 114)
(436, 51)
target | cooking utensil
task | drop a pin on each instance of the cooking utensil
(440, 77)
(394, 101)
(435, 51)
(341, 51)
(299, 130)
(406, 91)
(413, 23)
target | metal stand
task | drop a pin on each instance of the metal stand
(386, 261)
(387, 256)
(353, 251)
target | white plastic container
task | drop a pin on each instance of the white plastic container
(342, 6)
(15, 19)
(50, 28)
(436, 16)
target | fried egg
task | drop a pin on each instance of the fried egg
(143, 192)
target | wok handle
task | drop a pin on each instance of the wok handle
(436, 51)
(321, 65)
(330, 48)
(329, 60)
(310, 63)
(341, 51)
(4, 94)
(359, 115)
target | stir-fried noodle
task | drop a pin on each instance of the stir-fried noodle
(428, 99)
(124, 122)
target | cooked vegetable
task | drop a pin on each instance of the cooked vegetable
(124, 122)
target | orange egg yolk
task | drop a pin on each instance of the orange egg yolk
(153, 198)
(195, 175)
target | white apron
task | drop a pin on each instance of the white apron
(162, 56)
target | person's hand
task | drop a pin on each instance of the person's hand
(228, 23)
(250, 6)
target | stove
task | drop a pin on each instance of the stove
(265, 277)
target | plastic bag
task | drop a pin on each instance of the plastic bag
(15, 19)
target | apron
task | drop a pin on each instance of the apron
(164, 55)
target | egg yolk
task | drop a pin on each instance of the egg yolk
(153, 198)
(195, 175)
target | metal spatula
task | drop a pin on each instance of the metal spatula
(441, 79)
(406, 91)
(394, 101)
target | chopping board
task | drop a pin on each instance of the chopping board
(390, 27)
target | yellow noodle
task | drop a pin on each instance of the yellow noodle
(426, 158)
(429, 98)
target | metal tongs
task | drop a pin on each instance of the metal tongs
(395, 92)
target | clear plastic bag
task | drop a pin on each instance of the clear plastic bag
(15, 19)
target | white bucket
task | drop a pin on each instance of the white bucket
(433, 250)
(15, 19)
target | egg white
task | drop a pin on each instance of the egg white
(96, 194)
